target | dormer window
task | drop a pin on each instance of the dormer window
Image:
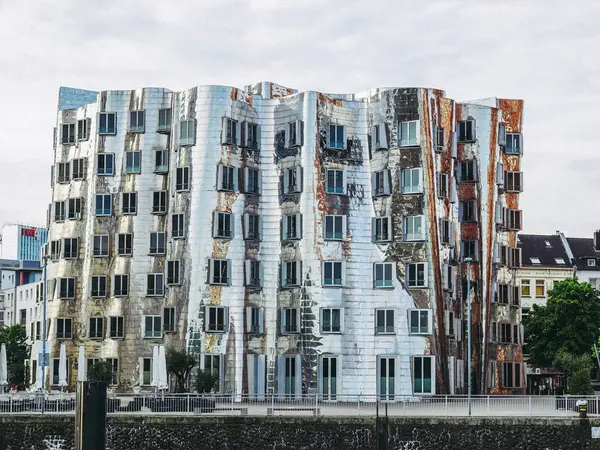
(548, 244)
(535, 260)
(591, 262)
(559, 260)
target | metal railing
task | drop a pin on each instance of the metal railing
(308, 405)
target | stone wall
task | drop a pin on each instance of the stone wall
(54, 432)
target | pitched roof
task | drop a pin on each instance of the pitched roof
(583, 249)
(548, 249)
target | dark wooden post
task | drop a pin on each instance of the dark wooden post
(90, 416)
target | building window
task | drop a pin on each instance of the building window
(55, 249)
(411, 181)
(177, 226)
(295, 134)
(121, 287)
(514, 219)
(335, 228)
(513, 144)
(55, 368)
(503, 293)
(153, 327)
(64, 328)
(164, 120)
(445, 231)
(155, 286)
(129, 203)
(159, 202)
(96, 330)
(216, 319)
(187, 132)
(466, 130)
(413, 228)
(114, 363)
(116, 328)
(292, 180)
(70, 248)
(79, 168)
(253, 273)
(591, 262)
(173, 272)
(540, 288)
(169, 319)
(381, 183)
(423, 368)
(161, 161)
(255, 320)
(250, 135)
(507, 333)
(442, 186)
(223, 225)
(101, 248)
(333, 273)
(381, 229)
(331, 320)
(67, 135)
(219, 271)
(469, 249)
(98, 286)
(252, 180)
(409, 133)
(336, 182)
(384, 321)
(230, 131)
(525, 288)
(467, 211)
(103, 205)
(420, 321)
(386, 369)
(83, 129)
(291, 273)
(511, 374)
(107, 123)
(105, 164)
(290, 320)
(440, 139)
(513, 181)
(227, 179)
(416, 275)
(289, 376)
(157, 243)
(63, 172)
(74, 209)
(124, 244)
(252, 226)
(59, 211)
(329, 377)
(383, 274)
(66, 288)
(291, 226)
(467, 171)
(146, 371)
(132, 162)
(136, 121)
(182, 179)
(336, 136)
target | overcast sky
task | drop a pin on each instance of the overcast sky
(543, 51)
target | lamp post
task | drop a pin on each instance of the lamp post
(469, 381)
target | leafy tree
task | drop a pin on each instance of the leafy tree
(206, 381)
(180, 364)
(100, 372)
(570, 321)
(17, 352)
(577, 369)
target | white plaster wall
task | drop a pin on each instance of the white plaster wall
(10, 242)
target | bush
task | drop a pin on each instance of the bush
(100, 372)
(206, 381)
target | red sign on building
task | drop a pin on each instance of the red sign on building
(29, 232)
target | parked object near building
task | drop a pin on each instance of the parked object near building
(296, 242)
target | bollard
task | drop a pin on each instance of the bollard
(90, 416)
(582, 408)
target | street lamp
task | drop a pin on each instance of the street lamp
(469, 381)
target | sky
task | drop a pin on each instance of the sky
(543, 51)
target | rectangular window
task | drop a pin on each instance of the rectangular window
(55, 368)
(409, 133)
(67, 136)
(292, 180)
(290, 320)
(416, 275)
(250, 135)
(290, 376)
(66, 288)
(107, 123)
(169, 320)
(383, 274)
(253, 273)
(136, 121)
(413, 228)
(114, 364)
(379, 137)
(164, 120)
(335, 228)
(330, 377)
(64, 328)
(444, 230)
(503, 293)
(333, 273)
(336, 182)
(467, 211)
(59, 211)
(502, 134)
(129, 203)
(255, 322)
(157, 243)
(291, 273)
(153, 327)
(230, 131)
(177, 226)
(467, 171)
(173, 272)
(70, 248)
(146, 364)
(219, 272)
(291, 227)
(469, 249)
(155, 285)
(442, 185)
(384, 321)
(336, 136)
(295, 129)
(227, 178)
(440, 139)
(124, 244)
(511, 374)
(381, 183)
(514, 219)
(513, 181)
(101, 247)
(516, 299)
(105, 164)
(381, 229)
(420, 321)
(216, 319)
(103, 205)
(96, 330)
(252, 226)
(411, 181)
(161, 161)
(182, 179)
(98, 286)
(252, 180)
(79, 168)
(466, 130)
(74, 209)
(63, 172)
(331, 320)
(513, 144)
(159, 202)
(83, 129)
(121, 286)
(116, 327)
(540, 288)
(423, 370)
(386, 386)
(133, 162)
(187, 132)
(223, 225)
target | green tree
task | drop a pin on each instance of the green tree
(100, 372)
(206, 381)
(180, 364)
(17, 352)
(569, 322)
(577, 370)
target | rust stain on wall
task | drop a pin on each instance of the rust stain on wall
(512, 114)
(334, 101)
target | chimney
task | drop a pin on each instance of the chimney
(597, 240)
